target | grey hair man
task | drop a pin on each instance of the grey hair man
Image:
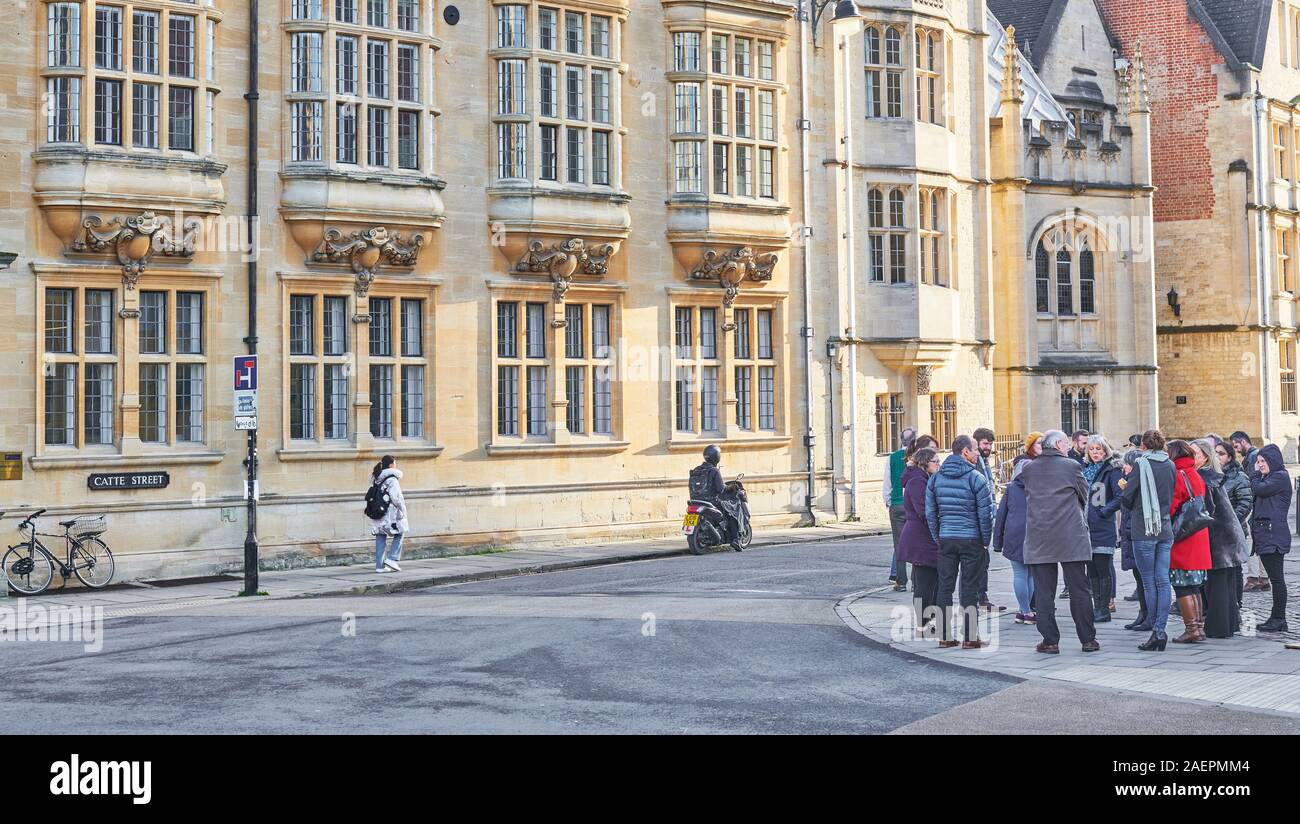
(892, 492)
(1056, 532)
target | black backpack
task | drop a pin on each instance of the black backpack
(377, 501)
(699, 482)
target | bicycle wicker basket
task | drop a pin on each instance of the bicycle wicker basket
(88, 526)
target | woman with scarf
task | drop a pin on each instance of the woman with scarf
(1189, 561)
(1104, 496)
(1009, 539)
(1269, 528)
(1149, 495)
(1227, 546)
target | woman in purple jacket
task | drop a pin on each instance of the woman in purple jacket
(916, 545)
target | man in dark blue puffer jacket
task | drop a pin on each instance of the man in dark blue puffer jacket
(959, 510)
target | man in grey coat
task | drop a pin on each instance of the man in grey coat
(1056, 532)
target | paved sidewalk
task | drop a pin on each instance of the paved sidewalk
(1257, 672)
(141, 598)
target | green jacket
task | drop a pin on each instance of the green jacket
(896, 466)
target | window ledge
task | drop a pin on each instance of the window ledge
(747, 442)
(592, 448)
(83, 460)
(347, 453)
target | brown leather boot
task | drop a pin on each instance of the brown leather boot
(1188, 607)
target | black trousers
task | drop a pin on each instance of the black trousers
(925, 582)
(1076, 580)
(1273, 566)
(984, 576)
(1142, 593)
(960, 560)
(1222, 613)
(1101, 574)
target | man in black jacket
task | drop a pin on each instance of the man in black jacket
(706, 485)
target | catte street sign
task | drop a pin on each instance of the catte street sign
(246, 392)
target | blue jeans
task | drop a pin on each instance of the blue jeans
(394, 552)
(1152, 559)
(1024, 586)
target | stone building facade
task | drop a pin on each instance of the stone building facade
(542, 253)
(1224, 81)
(1073, 203)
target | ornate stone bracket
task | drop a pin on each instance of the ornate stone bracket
(730, 269)
(565, 259)
(923, 376)
(365, 250)
(135, 240)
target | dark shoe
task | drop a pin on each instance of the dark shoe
(1257, 585)
(948, 644)
(1156, 643)
(893, 579)
(1274, 625)
(1142, 624)
(1134, 597)
(976, 644)
(1065, 593)
(1091, 646)
(900, 587)
(1101, 616)
(1050, 649)
(989, 606)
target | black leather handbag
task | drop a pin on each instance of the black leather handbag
(1192, 516)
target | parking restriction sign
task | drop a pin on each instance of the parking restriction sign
(245, 405)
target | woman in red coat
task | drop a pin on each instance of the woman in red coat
(1190, 560)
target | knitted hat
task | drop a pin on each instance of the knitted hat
(1031, 440)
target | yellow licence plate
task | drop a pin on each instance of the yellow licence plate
(690, 522)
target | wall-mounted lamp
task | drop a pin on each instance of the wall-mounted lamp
(7, 258)
(832, 348)
(1172, 297)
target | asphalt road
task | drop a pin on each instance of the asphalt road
(725, 643)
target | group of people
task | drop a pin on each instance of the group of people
(1186, 517)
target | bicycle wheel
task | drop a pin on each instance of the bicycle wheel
(92, 562)
(27, 570)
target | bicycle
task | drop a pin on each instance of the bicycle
(29, 566)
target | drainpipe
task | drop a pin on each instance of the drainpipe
(851, 333)
(805, 128)
(250, 462)
(1263, 171)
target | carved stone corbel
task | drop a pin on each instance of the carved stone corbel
(135, 240)
(365, 250)
(565, 259)
(923, 376)
(730, 269)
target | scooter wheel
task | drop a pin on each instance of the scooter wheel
(693, 542)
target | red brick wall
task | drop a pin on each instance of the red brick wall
(1180, 61)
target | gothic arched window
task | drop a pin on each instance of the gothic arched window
(1065, 257)
(1043, 280)
(1064, 288)
(1087, 282)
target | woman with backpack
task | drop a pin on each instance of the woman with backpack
(386, 509)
